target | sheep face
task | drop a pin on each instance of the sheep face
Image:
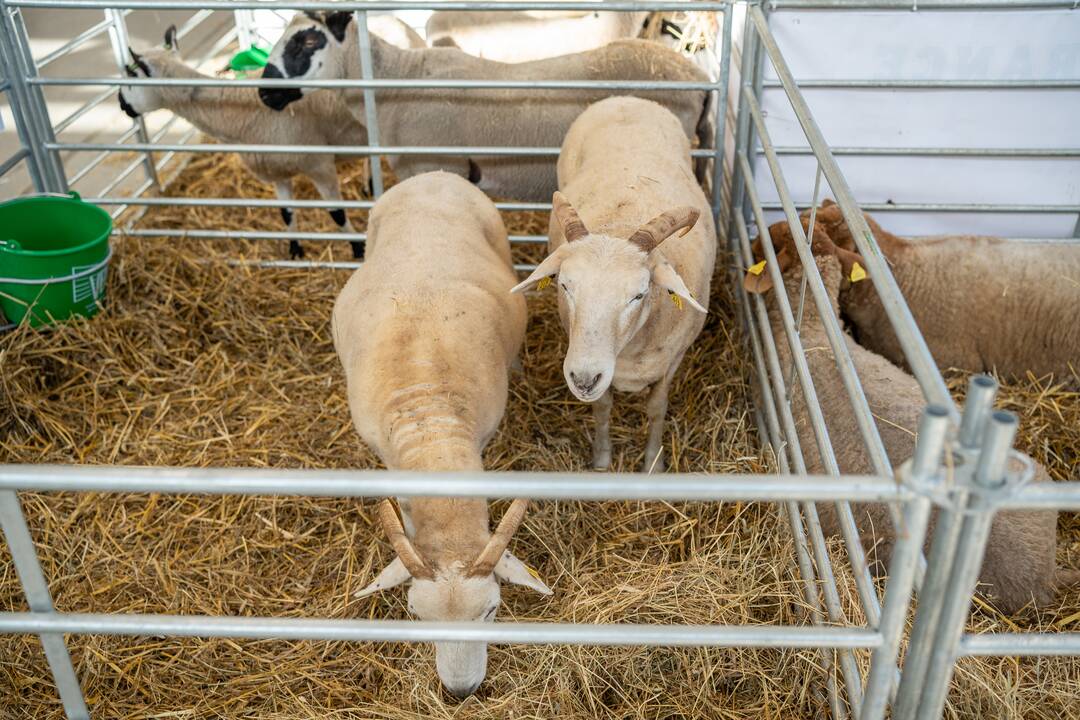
(141, 99)
(310, 49)
(456, 592)
(608, 286)
(758, 279)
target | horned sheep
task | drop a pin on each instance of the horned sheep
(627, 186)
(426, 330)
(321, 45)
(1018, 566)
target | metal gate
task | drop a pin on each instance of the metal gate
(967, 489)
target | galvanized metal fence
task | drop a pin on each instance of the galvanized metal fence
(967, 489)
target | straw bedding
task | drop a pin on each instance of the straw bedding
(197, 364)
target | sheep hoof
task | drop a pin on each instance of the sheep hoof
(654, 462)
(295, 250)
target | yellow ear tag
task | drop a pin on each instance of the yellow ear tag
(757, 268)
(533, 572)
(857, 273)
(544, 282)
(676, 299)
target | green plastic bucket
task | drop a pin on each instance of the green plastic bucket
(54, 256)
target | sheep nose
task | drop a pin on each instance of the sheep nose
(584, 383)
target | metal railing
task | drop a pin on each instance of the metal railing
(966, 494)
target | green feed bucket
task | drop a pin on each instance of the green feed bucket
(54, 254)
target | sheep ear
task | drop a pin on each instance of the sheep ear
(550, 266)
(664, 275)
(758, 280)
(336, 22)
(391, 576)
(170, 38)
(853, 265)
(511, 570)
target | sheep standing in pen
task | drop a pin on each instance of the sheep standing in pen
(982, 303)
(514, 37)
(625, 167)
(321, 45)
(1019, 563)
(426, 331)
(235, 115)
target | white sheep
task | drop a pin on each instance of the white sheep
(323, 45)
(1019, 563)
(514, 37)
(426, 330)
(982, 303)
(625, 166)
(235, 115)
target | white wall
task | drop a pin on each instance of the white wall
(922, 45)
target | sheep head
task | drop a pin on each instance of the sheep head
(313, 47)
(608, 287)
(759, 280)
(137, 100)
(459, 591)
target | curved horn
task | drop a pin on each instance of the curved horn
(572, 226)
(400, 542)
(500, 539)
(657, 230)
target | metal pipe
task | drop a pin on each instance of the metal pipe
(38, 597)
(934, 151)
(282, 235)
(386, 483)
(989, 476)
(911, 340)
(375, 5)
(380, 83)
(370, 114)
(1020, 644)
(816, 84)
(81, 111)
(912, 5)
(933, 428)
(120, 45)
(722, 82)
(954, 207)
(88, 34)
(14, 160)
(978, 404)
(98, 159)
(273, 203)
(414, 631)
(1045, 496)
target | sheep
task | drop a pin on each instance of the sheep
(982, 303)
(426, 331)
(624, 161)
(1019, 563)
(514, 37)
(395, 31)
(322, 45)
(236, 115)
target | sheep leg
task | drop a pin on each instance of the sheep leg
(656, 408)
(283, 188)
(326, 182)
(602, 438)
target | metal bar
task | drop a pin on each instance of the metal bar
(814, 84)
(921, 473)
(911, 340)
(270, 203)
(401, 483)
(721, 116)
(328, 264)
(1020, 644)
(99, 158)
(326, 149)
(1045, 496)
(850, 672)
(120, 44)
(370, 110)
(38, 597)
(413, 631)
(88, 34)
(82, 110)
(270, 235)
(856, 555)
(989, 476)
(934, 151)
(749, 62)
(979, 402)
(14, 160)
(954, 207)
(381, 83)
(913, 5)
(375, 5)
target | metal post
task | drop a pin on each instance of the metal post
(921, 476)
(245, 28)
(990, 477)
(371, 116)
(119, 36)
(977, 407)
(38, 598)
(721, 117)
(749, 63)
(28, 102)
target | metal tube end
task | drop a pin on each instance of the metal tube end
(980, 401)
(930, 442)
(998, 438)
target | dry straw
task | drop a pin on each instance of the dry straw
(195, 363)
